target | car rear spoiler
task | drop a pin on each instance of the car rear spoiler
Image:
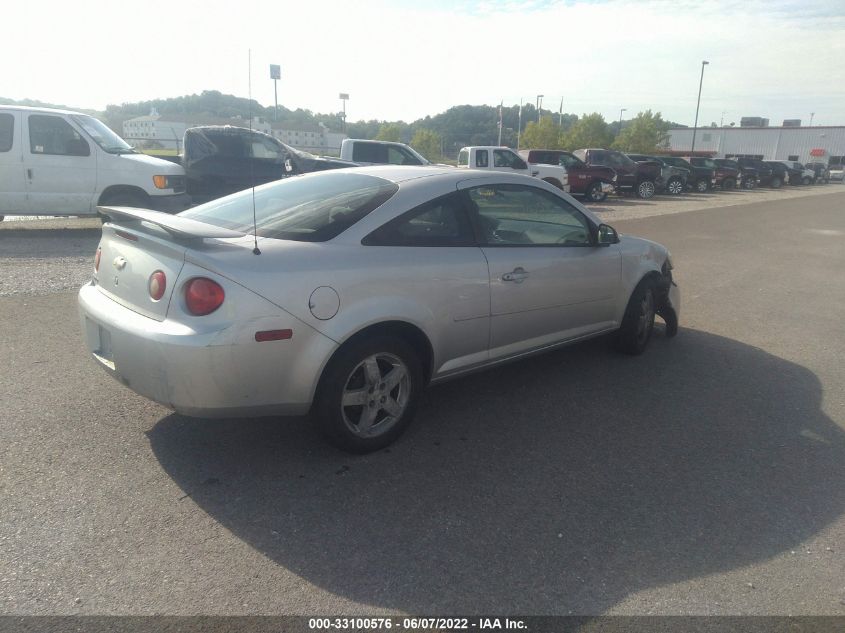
(176, 225)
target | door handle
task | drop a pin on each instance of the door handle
(518, 275)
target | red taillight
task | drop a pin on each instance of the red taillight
(97, 259)
(157, 285)
(203, 296)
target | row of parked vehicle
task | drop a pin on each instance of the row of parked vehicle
(58, 162)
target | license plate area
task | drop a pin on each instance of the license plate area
(102, 345)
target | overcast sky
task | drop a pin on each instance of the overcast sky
(405, 59)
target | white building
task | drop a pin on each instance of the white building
(151, 128)
(803, 144)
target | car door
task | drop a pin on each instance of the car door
(549, 282)
(508, 161)
(60, 167)
(12, 171)
(430, 257)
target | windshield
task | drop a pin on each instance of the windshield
(102, 135)
(311, 208)
(296, 152)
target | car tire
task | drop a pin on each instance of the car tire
(361, 371)
(806, 180)
(728, 184)
(776, 182)
(702, 186)
(594, 193)
(675, 186)
(645, 189)
(638, 323)
(127, 199)
(749, 183)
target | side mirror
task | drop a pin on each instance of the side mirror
(519, 164)
(606, 235)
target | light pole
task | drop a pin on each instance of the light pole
(722, 120)
(344, 96)
(275, 75)
(812, 114)
(621, 110)
(697, 104)
(539, 105)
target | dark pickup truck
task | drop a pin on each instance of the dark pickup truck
(639, 178)
(591, 181)
(781, 173)
(673, 180)
(222, 159)
(765, 175)
(719, 175)
(700, 178)
(746, 177)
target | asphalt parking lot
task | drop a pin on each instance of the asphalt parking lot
(705, 477)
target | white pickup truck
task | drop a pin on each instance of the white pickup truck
(57, 162)
(505, 159)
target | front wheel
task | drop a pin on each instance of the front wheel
(594, 193)
(675, 186)
(776, 182)
(368, 394)
(728, 183)
(749, 183)
(638, 323)
(645, 189)
(806, 180)
(702, 186)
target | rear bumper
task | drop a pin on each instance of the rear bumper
(214, 374)
(170, 204)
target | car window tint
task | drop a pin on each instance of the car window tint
(264, 148)
(368, 152)
(400, 156)
(503, 158)
(481, 158)
(7, 128)
(567, 160)
(441, 222)
(521, 215)
(53, 135)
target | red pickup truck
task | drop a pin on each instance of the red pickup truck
(592, 182)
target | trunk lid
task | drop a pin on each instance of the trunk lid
(135, 244)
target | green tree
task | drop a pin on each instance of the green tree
(390, 132)
(427, 143)
(543, 135)
(644, 134)
(591, 130)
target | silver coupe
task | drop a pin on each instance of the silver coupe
(344, 293)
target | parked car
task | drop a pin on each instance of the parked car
(365, 152)
(345, 292)
(821, 171)
(60, 162)
(719, 175)
(633, 177)
(592, 182)
(505, 159)
(802, 175)
(223, 159)
(700, 179)
(673, 180)
(782, 171)
(765, 174)
(836, 171)
(746, 177)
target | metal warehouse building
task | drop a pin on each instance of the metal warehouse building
(804, 144)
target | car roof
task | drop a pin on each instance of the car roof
(40, 109)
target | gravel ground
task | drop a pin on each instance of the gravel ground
(40, 256)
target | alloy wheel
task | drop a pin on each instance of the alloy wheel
(375, 395)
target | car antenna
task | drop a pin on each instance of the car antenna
(255, 251)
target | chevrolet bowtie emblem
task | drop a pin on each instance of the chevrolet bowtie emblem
(119, 263)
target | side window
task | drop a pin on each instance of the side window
(482, 158)
(400, 156)
(7, 131)
(53, 135)
(527, 216)
(463, 158)
(794, 157)
(504, 158)
(441, 222)
(266, 149)
(599, 158)
(369, 153)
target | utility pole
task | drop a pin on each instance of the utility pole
(560, 114)
(812, 114)
(621, 110)
(344, 96)
(697, 104)
(539, 105)
(519, 125)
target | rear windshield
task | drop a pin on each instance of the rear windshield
(311, 208)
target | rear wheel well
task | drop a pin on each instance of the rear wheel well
(553, 181)
(409, 333)
(118, 191)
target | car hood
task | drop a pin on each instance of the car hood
(155, 166)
